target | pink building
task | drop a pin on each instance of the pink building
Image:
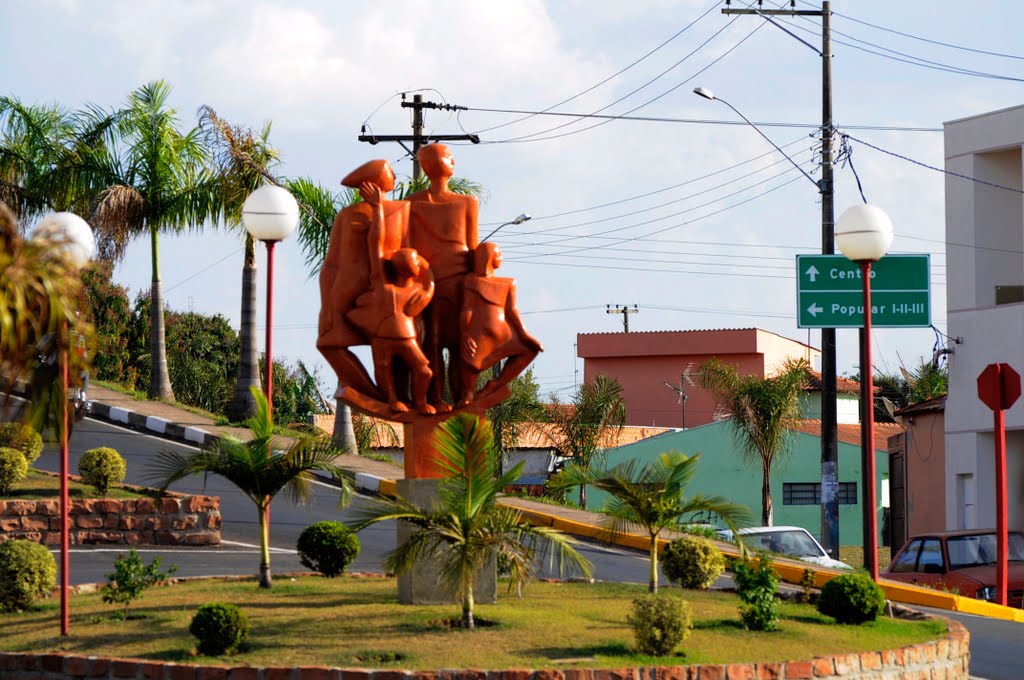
(644, 362)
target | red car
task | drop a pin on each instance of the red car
(962, 562)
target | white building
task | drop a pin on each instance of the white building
(985, 302)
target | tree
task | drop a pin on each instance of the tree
(762, 411)
(243, 160)
(257, 470)
(596, 409)
(508, 418)
(467, 528)
(652, 498)
(155, 180)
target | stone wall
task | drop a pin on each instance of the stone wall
(943, 659)
(175, 519)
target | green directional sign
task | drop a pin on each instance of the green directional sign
(829, 292)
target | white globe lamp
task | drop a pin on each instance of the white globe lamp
(69, 234)
(270, 213)
(864, 232)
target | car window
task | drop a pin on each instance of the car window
(931, 555)
(1016, 547)
(906, 560)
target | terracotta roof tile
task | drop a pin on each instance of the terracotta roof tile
(849, 433)
(842, 384)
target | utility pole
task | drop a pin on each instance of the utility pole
(417, 137)
(625, 311)
(829, 429)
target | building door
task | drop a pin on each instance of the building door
(965, 502)
(897, 499)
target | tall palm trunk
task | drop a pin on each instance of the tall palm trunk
(243, 405)
(264, 525)
(583, 497)
(159, 380)
(652, 585)
(344, 435)
(766, 496)
(467, 608)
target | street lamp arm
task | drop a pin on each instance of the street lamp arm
(524, 217)
(817, 185)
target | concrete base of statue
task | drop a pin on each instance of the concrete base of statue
(423, 585)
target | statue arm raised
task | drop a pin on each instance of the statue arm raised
(374, 195)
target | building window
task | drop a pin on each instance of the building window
(809, 493)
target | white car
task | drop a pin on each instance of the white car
(790, 541)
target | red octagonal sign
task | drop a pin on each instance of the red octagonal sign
(999, 386)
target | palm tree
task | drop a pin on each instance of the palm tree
(243, 160)
(762, 411)
(257, 470)
(156, 179)
(466, 529)
(651, 498)
(596, 409)
(34, 141)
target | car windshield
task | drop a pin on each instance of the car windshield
(980, 549)
(795, 543)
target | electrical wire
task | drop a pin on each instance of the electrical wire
(611, 77)
(203, 270)
(917, 37)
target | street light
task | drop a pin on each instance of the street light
(72, 238)
(270, 214)
(523, 217)
(864, 234)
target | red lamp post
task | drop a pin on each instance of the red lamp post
(73, 237)
(864, 234)
(270, 214)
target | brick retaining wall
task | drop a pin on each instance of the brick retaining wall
(943, 659)
(175, 519)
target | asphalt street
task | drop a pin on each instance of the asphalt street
(997, 647)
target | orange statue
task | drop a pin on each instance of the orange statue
(490, 326)
(345, 274)
(387, 311)
(443, 228)
(409, 279)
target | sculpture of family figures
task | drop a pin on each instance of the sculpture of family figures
(409, 279)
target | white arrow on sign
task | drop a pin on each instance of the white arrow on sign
(814, 309)
(812, 273)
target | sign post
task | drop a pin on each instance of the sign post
(999, 388)
(830, 295)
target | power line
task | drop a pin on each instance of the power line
(920, 38)
(611, 77)
(203, 270)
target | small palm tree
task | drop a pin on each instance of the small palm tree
(762, 411)
(257, 470)
(596, 408)
(467, 528)
(651, 498)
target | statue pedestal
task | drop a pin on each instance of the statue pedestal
(422, 585)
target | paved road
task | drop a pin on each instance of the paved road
(997, 647)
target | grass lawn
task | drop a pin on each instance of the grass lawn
(40, 486)
(357, 622)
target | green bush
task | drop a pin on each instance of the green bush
(327, 548)
(692, 562)
(852, 598)
(220, 628)
(101, 467)
(756, 586)
(660, 623)
(28, 572)
(13, 469)
(131, 577)
(22, 437)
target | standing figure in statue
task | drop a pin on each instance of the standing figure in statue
(490, 326)
(443, 230)
(345, 274)
(386, 313)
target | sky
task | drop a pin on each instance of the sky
(696, 224)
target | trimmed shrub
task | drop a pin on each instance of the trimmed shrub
(692, 562)
(101, 467)
(660, 623)
(22, 437)
(220, 628)
(756, 588)
(13, 469)
(131, 577)
(852, 598)
(327, 548)
(28, 572)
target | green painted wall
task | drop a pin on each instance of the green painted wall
(722, 471)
